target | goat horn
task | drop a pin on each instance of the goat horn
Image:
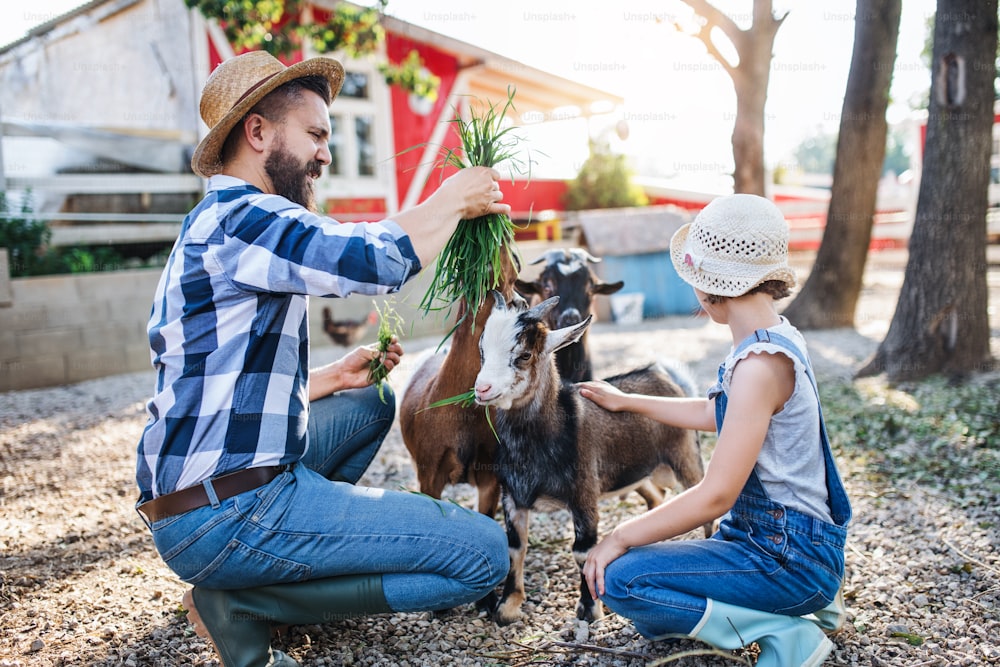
(539, 311)
(580, 252)
(552, 256)
(498, 301)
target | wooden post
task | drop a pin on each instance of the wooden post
(6, 293)
(3, 179)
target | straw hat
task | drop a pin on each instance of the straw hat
(237, 85)
(734, 244)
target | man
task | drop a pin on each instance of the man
(246, 466)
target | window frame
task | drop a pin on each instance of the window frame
(377, 106)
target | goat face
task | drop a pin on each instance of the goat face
(567, 274)
(516, 349)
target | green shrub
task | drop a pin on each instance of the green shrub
(24, 237)
(604, 181)
(27, 242)
(934, 432)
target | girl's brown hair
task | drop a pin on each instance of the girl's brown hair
(778, 289)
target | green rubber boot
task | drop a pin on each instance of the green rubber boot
(238, 622)
(785, 641)
(832, 617)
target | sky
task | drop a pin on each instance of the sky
(679, 104)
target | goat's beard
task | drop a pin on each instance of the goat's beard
(291, 179)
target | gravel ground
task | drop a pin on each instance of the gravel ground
(80, 583)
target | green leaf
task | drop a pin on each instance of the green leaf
(390, 324)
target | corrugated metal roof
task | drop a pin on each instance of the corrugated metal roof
(53, 23)
(628, 231)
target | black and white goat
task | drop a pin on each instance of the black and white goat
(568, 275)
(555, 445)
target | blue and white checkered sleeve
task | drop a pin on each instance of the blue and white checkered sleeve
(271, 247)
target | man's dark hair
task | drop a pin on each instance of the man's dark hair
(276, 104)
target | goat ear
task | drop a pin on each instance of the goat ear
(608, 288)
(528, 288)
(560, 338)
(539, 311)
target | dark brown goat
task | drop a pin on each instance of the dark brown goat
(557, 446)
(452, 444)
(567, 274)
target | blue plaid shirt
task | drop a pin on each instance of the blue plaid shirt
(229, 334)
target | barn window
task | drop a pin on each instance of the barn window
(355, 86)
(353, 137)
(365, 145)
(336, 144)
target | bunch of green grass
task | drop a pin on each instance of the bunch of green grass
(465, 400)
(389, 325)
(470, 263)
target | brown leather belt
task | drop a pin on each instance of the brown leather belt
(193, 497)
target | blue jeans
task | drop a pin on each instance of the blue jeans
(300, 526)
(663, 587)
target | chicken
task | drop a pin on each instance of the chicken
(346, 332)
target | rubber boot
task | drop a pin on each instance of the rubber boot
(785, 641)
(238, 622)
(832, 617)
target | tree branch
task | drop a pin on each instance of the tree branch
(715, 18)
(764, 19)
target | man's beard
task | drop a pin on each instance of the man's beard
(290, 179)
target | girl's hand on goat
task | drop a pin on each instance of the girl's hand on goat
(605, 395)
(599, 557)
(352, 370)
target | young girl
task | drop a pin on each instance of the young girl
(773, 571)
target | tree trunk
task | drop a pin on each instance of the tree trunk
(830, 295)
(750, 81)
(941, 323)
(750, 76)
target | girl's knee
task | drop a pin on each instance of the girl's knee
(654, 610)
(615, 582)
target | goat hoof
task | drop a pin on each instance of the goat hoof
(488, 603)
(507, 613)
(502, 620)
(595, 612)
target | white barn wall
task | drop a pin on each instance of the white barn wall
(109, 69)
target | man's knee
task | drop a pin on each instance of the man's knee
(385, 403)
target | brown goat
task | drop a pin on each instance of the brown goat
(556, 446)
(452, 444)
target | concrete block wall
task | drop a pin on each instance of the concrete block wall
(57, 330)
(60, 330)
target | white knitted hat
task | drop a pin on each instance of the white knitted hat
(734, 244)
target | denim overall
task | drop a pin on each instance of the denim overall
(771, 526)
(764, 556)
